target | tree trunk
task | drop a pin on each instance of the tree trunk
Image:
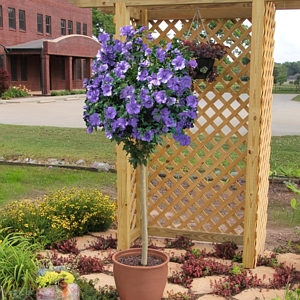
(144, 210)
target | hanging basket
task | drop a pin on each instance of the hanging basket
(204, 67)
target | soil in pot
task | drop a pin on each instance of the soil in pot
(136, 260)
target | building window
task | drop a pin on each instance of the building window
(1, 17)
(13, 68)
(1, 61)
(39, 23)
(84, 69)
(12, 18)
(63, 68)
(78, 28)
(63, 26)
(84, 29)
(70, 27)
(24, 68)
(48, 24)
(22, 22)
(78, 69)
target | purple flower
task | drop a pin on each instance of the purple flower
(171, 101)
(191, 101)
(160, 54)
(178, 63)
(133, 121)
(133, 107)
(107, 89)
(150, 37)
(118, 46)
(121, 68)
(94, 119)
(160, 97)
(147, 137)
(148, 51)
(103, 68)
(172, 84)
(192, 63)
(147, 101)
(93, 95)
(90, 129)
(127, 92)
(121, 123)
(103, 37)
(183, 139)
(127, 31)
(110, 112)
(191, 114)
(154, 80)
(164, 75)
(142, 75)
(169, 46)
(186, 82)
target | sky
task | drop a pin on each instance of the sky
(287, 38)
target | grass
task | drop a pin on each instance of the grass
(297, 98)
(70, 144)
(285, 89)
(31, 182)
(285, 152)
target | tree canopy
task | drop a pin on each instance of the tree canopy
(102, 22)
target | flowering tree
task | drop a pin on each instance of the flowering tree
(139, 93)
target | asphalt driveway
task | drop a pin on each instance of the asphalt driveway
(66, 111)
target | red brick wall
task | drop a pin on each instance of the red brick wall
(57, 9)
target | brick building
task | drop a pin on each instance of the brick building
(46, 45)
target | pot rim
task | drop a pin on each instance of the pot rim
(137, 252)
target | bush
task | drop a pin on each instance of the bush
(60, 215)
(4, 81)
(16, 92)
(17, 265)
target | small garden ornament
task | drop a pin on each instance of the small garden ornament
(138, 93)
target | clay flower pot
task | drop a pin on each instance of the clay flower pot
(140, 282)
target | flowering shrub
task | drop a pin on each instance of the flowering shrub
(60, 215)
(16, 92)
(140, 92)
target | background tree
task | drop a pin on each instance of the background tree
(102, 22)
(280, 74)
(297, 83)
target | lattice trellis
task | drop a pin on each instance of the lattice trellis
(200, 188)
(265, 126)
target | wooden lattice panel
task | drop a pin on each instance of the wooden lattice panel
(201, 188)
(265, 125)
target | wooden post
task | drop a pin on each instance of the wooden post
(123, 166)
(251, 199)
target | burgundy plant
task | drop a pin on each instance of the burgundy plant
(4, 81)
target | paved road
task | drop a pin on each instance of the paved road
(66, 111)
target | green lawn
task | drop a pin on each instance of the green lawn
(297, 98)
(31, 182)
(70, 144)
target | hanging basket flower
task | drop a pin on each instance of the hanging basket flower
(205, 55)
(140, 92)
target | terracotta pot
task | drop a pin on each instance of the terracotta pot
(204, 62)
(140, 282)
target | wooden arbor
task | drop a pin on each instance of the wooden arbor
(215, 189)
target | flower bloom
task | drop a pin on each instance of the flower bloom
(140, 92)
